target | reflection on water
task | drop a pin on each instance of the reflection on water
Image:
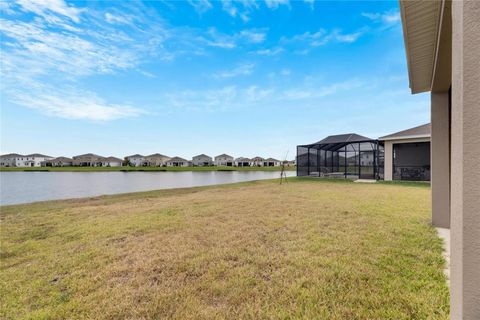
(24, 187)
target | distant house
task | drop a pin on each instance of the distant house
(112, 162)
(177, 162)
(58, 162)
(18, 160)
(36, 159)
(224, 160)
(88, 160)
(243, 162)
(9, 160)
(157, 160)
(271, 162)
(137, 160)
(257, 161)
(202, 160)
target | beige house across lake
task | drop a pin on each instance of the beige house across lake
(156, 160)
(177, 162)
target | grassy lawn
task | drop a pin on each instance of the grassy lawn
(309, 249)
(89, 169)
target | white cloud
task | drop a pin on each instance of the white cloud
(269, 51)
(201, 6)
(240, 8)
(50, 9)
(311, 3)
(322, 37)
(214, 38)
(252, 96)
(387, 18)
(274, 4)
(116, 18)
(46, 57)
(253, 36)
(72, 104)
(241, 70)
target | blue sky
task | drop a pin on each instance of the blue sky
(187, 77)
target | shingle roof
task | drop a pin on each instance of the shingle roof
(12, 155)
(202, 156)
(152, 155)
(243, 159)
(272, 159)
(135, 156)
(343, 138)
(37, 155)
(223, 155)
(422, 131)
(177, 159)
(113, 159)
(88, 155)
(64, 159)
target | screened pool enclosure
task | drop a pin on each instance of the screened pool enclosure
(349, 156)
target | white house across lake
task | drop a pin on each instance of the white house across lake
(18, 160)
(177, 162)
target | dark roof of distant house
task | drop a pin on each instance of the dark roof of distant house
(12, 155)
(64, 159)
(152, 155)
(177, 159)
(37, 155)
(257, 158)
(243, 159)
(88, 155)
(202, 156)
(422, 131)
(223, 155)
(113, 159)
(135, 156)
(272, 159)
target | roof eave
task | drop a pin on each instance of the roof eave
(418, 136)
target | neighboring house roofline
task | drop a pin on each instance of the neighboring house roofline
(418, 136)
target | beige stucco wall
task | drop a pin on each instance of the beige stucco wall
(465, 161)
(440, 159)
(388, 161)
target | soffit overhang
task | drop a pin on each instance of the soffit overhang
(421, 21)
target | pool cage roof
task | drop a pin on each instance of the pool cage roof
(345, 155)
(336, 142)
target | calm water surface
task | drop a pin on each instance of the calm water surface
(24, 187)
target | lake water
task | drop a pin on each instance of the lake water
(25, 187)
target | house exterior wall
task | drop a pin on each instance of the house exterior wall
(137, 161)
(440, 159)
(112, 164)
(156, 161)
(223, 161)
(177, 163)
(7, 161)
(465, 162)
(202, 160)
(388, 166)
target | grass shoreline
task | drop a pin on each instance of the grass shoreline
(311, 249)
(139, 169)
